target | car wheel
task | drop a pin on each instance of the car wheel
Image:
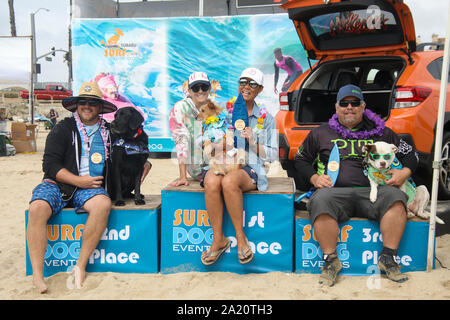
(444, 170)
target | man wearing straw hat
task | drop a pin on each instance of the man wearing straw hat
(76, 164)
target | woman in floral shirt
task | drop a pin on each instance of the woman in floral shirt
(187, 131)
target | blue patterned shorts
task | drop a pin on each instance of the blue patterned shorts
(49, 191)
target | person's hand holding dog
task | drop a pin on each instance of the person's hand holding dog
(399, 176)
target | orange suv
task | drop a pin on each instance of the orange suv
(369, 43)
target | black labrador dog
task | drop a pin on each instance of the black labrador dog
(129, 154)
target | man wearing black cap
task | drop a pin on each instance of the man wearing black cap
(76, 164)
(334, 202)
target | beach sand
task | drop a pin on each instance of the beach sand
(19, 174)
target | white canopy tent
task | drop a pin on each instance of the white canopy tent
(438, 145)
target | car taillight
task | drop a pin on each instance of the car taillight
(407, 97)
(283, 147)
(284, 103)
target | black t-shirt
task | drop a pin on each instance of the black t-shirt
(312, 156)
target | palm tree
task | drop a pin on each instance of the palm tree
(12, 18)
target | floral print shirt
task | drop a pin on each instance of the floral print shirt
(187, 135)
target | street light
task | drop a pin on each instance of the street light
(33, 63)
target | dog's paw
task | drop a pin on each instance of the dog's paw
(139, 201)
(119, 203)
(373, 197)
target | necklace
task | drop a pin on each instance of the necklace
(349, 134)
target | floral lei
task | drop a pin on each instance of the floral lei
(349, 134)
(84, 136)
(260, 119)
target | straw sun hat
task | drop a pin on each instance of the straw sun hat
(88, 90)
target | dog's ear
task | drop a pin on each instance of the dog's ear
(368, 148)
(394, 148)
(136, 119)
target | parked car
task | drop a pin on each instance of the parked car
(372, 44)
(51, 91)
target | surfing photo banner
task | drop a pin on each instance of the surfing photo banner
(145, 62)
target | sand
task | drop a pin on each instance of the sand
(20, 173)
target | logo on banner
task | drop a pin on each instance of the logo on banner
(190, 234)
(312, 254)
(115, 49)
(65, 241)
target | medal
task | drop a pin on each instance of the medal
(239, 124)
(333, 164)
(96, 158)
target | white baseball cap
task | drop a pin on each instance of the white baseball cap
(198, 77)
(254, 74)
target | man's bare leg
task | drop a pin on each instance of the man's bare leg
(38, 215)
(98, 208)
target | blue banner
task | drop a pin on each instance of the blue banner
(186, 232)
(148, 61)
(128, 245)
(358, 247)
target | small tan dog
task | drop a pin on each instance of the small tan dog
(218, 141)
(379, 159)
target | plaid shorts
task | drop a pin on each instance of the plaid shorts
(49, 191)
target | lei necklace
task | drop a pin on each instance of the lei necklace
(84, 135)
(349, 134)
(260, 118)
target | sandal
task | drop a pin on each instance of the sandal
(214, 254)
(243, 253)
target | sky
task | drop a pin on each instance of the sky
(430, 16)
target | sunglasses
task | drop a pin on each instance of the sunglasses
(252, 83)
(376, 156)
(197, 87)
(90, 102)
(353, 103)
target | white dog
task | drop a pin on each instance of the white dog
(380, 157)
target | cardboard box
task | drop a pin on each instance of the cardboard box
(24, 145)
(23, 131)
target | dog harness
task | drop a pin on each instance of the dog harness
(380, 176)
(129, 148)
(215, 127)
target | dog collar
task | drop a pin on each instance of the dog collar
(138, 133)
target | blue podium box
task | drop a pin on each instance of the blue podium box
(359, 245)
(268, 224)
(129, 243)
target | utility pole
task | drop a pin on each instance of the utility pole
(33, 65)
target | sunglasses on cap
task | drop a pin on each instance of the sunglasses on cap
(89, 102)
(353, 103)
(252, 83)
(196, 88)
(376, 156)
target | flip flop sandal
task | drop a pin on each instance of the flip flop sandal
(243, 253)
(214, 254)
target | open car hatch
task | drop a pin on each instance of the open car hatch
(352, 27)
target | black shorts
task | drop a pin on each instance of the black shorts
(345, 203)
(251, 173)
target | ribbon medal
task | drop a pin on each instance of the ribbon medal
(96, 158)
(333, 164)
